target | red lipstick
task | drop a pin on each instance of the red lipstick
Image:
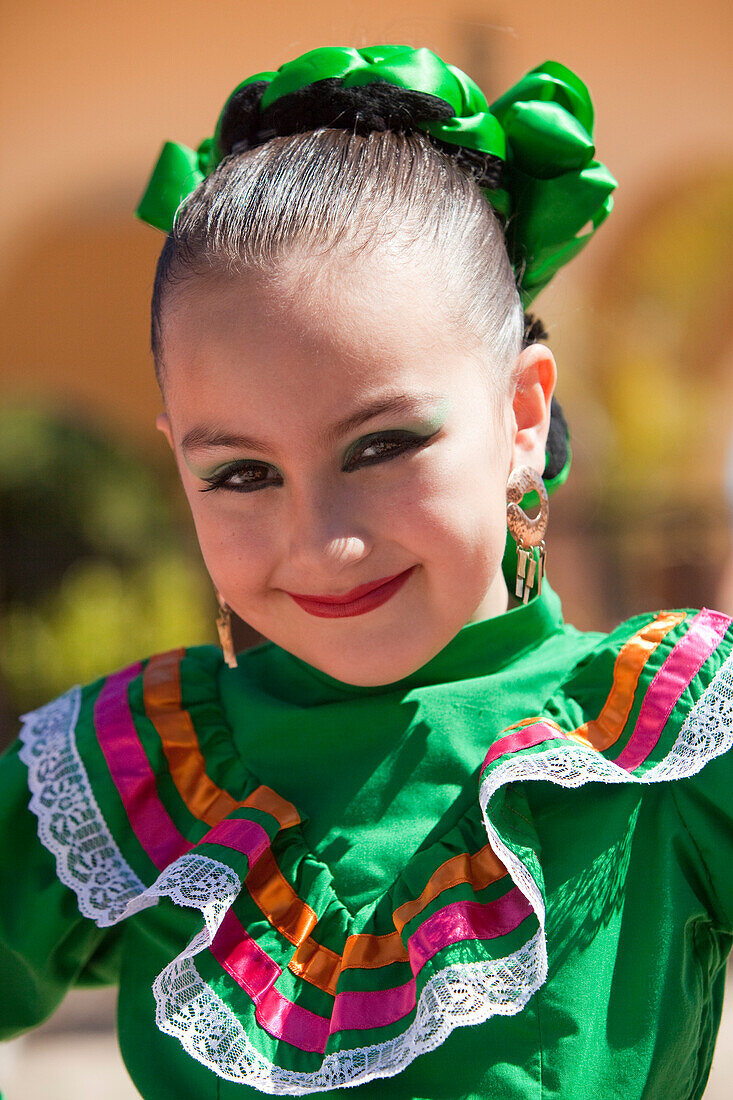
(356, 602)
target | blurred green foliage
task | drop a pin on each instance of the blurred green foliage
(96, 567)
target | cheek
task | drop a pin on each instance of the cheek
(454, 505)
(234, 548)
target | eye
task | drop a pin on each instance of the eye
(243, 477)
(381, 447)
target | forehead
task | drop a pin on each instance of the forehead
(312, 327)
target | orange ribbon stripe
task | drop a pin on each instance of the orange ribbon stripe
(201, 796)
(606, 729)
(264, 798)
(368, 952)
(162, 695)
(277, 899)
(480, 869)
(295, 920)
(602, 732)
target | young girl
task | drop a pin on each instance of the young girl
(428, 840)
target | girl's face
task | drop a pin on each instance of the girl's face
(344, 459)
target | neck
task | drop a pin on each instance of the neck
(495, 602)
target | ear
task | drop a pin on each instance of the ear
(163, 425)
(536, 374)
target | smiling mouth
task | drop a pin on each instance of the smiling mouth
(356, 602)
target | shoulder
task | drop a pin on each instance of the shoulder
(120, 728)
(651, 700)
(650, 670)
(668, 670)
(149, 701)
(650, 703)
(129, 773)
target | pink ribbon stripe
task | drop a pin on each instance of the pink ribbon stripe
(525, 738)
(354, 1011)
(685, 661)
(131, 772)
(135, 782)
(466, 920)
(256, 973)
(242, 836)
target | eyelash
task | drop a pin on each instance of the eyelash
(397, 443)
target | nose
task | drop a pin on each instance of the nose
(327, 533)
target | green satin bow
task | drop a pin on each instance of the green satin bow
(542, 128)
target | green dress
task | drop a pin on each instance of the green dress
(507, 875)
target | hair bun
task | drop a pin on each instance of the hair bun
(241, 119)
(325, 103)
(557, 448)
(364, 108)
(534, 330)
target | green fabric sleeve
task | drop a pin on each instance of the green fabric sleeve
(705, 805)
(46, 946)
(704, 800)
(684, 740)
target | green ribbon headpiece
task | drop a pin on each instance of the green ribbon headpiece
(554, 194)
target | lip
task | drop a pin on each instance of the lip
(358, 601)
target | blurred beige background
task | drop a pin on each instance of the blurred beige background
(640, 324)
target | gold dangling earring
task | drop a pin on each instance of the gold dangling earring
(527, 532)
(224, 630)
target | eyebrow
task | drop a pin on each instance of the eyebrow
(203, 437)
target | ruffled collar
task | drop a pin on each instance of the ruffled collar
(282, 988)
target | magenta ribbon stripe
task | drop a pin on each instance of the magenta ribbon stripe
(683, 663)
(466, 920)
(135, 782)
(358, 1011)
(242, 836)
(256, 973)
(526, 738)
(454, 923)
(235, 950)
(131, 772)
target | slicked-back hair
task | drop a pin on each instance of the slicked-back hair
(329, 190)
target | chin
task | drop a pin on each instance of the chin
(380, 676)
(369, 678)
(380, 665)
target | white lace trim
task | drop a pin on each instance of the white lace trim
(88, 860)
(707, 731)
(72, 828)
(70, 822)
(457, 996)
